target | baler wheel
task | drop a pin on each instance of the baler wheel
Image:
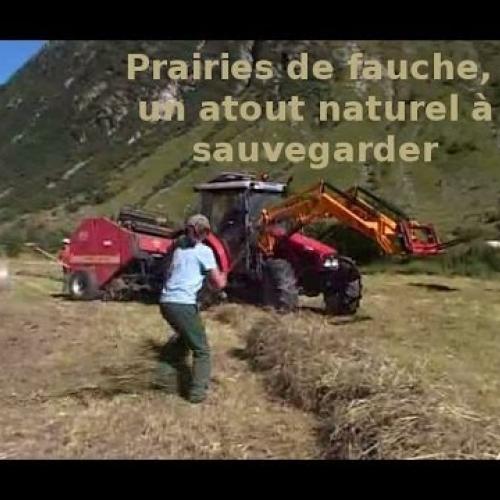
(280, 285)
(82, 286)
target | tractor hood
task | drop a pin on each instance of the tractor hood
(299, 243)
(304, 243)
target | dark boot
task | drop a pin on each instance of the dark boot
(201, 376)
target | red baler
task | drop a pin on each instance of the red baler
(122, 257)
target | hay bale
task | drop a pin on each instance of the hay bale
(367, 406)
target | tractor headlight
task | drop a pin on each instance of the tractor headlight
(331, 263)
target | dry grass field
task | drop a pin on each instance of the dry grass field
(413, 375)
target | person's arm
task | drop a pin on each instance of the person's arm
(217, 278)
(167, 261)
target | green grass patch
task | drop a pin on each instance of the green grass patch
(474, 260)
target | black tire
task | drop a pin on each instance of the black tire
(82, 285)
(346, 300)
(280, 289)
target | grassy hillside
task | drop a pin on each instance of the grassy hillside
(71, 142)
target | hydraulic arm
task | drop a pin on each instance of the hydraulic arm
(357, 208)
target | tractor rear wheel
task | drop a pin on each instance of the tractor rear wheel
(280, 285)
(82, 285)
(344, 301)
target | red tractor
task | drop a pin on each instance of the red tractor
(273, 262)
(274, 275)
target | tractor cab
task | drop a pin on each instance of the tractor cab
(233, 203)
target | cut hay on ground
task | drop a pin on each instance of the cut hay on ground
(367, 406)
(77, 384)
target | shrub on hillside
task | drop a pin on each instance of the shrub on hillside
(49, 240)
(12, 241)
(474, 260)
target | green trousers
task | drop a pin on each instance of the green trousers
(190, 336)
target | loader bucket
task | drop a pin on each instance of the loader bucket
(420, 239)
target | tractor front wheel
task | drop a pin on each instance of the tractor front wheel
(339, 304)
(82, 286)
(344, 300)
(280, 289)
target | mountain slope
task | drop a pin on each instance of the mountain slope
(71, 141)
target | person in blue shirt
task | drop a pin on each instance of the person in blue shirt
(192, 262)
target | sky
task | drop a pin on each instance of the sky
(14, 53)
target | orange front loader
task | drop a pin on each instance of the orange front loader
(357, 208)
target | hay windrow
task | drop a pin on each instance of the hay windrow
(367, 406)
(228, 314)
